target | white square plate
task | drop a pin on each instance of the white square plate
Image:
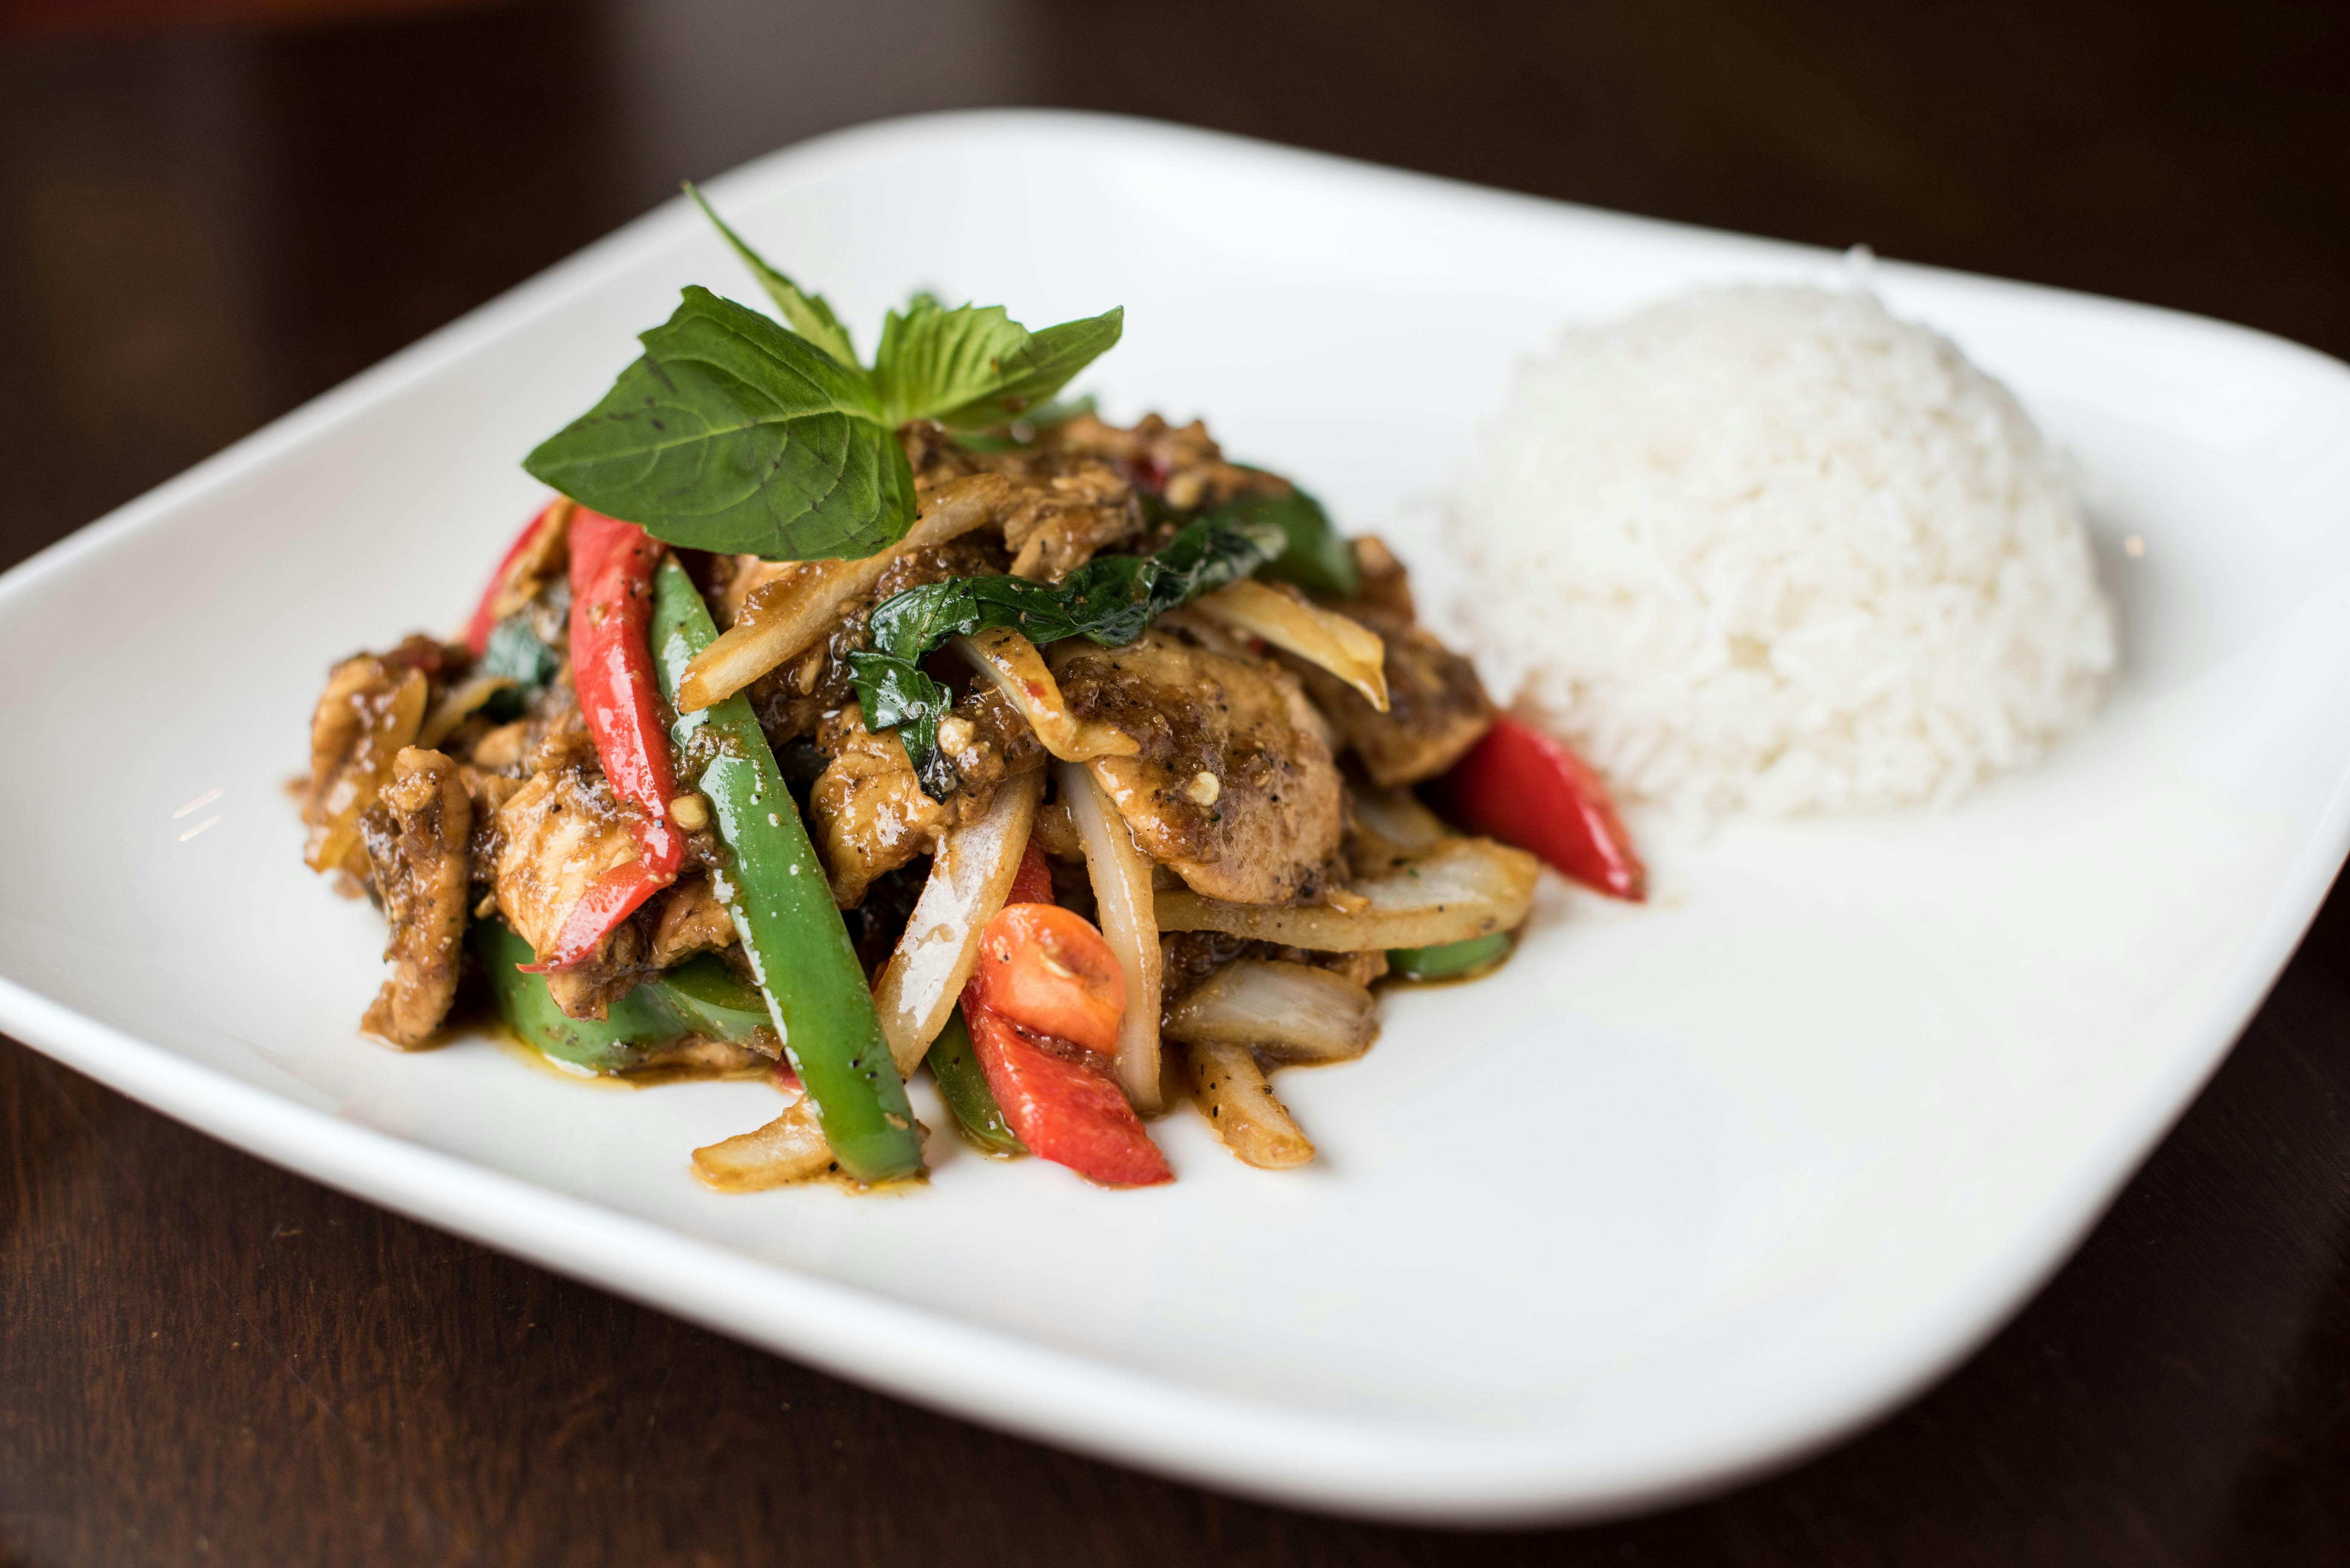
(1681, 1192)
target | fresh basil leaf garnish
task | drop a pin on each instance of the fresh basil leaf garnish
(1316, 557)
(972, 367)
(732, 433)
(1111, 600)
(806, 314)
(735, 434)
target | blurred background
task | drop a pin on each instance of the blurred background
(210, 212)
(215, 209)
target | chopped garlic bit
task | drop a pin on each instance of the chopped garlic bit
(955, 734)
(1204, 788)
(690, 812)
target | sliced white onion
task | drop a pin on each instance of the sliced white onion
(1231, 1091)
(1463, 887)
(456, 705)
(1012, 664)
(1345, 649)
(970, 876)
(1287, 1009)
(1397, 820)
(790, 1148)
(782, 618)
(1120, 874)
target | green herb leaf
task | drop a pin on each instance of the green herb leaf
(973, 367)
(515, 652)
(807, 313)
(896, 695)
(1316, 557)
(1110, 599)
(733, 434)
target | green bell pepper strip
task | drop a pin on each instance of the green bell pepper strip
(963, 1085)
(701, 996)
(1450, 960)
(776, 889)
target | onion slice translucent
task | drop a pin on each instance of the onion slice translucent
(456, 705)
(1345, 649)
(1285, 1009)
(782, 618)
(1461, 888)
(1241, 1110)
(788, 1149)
(1391, 822)
(1121, 879)
(1012, 664)
(970, 877)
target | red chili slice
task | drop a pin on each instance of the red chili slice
(612, 566)
(1524, 788)
(1062, 1103)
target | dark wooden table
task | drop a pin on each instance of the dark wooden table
(203, 1359)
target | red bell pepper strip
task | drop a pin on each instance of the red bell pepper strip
(1049, 970)
(1523, 788)
(1033, 883)
(1043, 1007)
(1065, 1104)
(612, 566)
(485, 614)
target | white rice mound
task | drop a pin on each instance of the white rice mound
(1774, 550)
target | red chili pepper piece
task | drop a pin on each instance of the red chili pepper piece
(1062, 1103)
(612, 566)
(485, 614)
(1033, 883)
(1051, 972)
(1524, 788)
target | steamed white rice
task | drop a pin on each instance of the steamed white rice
(1774, 550)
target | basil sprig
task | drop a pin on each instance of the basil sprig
(973, 367)
(1110, 599)
(734, 433)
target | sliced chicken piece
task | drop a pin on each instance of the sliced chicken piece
(1232, 786)
(490, 793)
(1437, 708)
(415, 836)
(372, 707)
(691, 920)
(1182, 462)
(1062, 520)
(1066, 502)
(868, 808)
(558, 833)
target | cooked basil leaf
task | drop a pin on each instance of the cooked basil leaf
(733, 434)
(807, 313)
(1112, 599)
(1316, 557)
(516, 651)
(896, 695)
(972, 367)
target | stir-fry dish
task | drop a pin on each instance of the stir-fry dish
(840, 720)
